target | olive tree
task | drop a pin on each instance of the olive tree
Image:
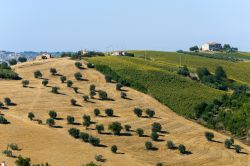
(3, 120)
(84, 136)
(74, 132)
(209, 136)
(182, 149)
(154, 136)
(99, 128)
(69, 83)
(78, 65)
(114, 148)
(103, 95)
(50, 122)
(78, 76)
(63, 79)
(138, 112)
(7, 101)
(92, 93)
(148, 145)
(55, 89)
(115, 127)
(170, 144)
(31, 115)
(156, 127)
(38, 74)
(96, 112)
(52, 114)
(127, 127)
(53, 71)
(140, 132)
(25, 83)
(119, 86)
(150, 113)
(109, 112)
(45, 82)
(70, 119)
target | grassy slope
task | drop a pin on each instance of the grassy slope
(177, 92)
(239, 71)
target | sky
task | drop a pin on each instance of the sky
(169, 25)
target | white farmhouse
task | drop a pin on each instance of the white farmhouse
(211, 46)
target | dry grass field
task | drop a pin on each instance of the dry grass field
(54, 145)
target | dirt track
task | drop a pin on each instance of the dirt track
(54, 145)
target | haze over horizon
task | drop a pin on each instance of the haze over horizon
(62, 25)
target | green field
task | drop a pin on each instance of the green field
(239, 71)
(156, 75)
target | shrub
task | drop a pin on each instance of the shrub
(92, 87)
(69, 83)
(127, 127)
(52, 114)
(123, 95)
(114, 148)
(45, 82)
(182, 149)
(63, 79)
(8, 153)
(84, 136)
(109, 112)
(116, 128)
(12, 62)
(150, 113)
(156, 127)
(209, 136)
(96, 112)
(73, 102)
(31, 115)
(78, 65)
(53, 71)
(92, 94)
(86, 124)
(148, 145)
(103, 95)
(138, 112)
(3, 120)
(13, 146)
(99, 128)
(108, 78)
(85, 98)
(50, 122)
(74, 132)
(7, 101)
(70, 119)
(78, 76)
(94, 141)
(228, 143)
(119, 86)
(75, 89)
(237, 148)
(99, 158)
(154, 136)
(170, 144)
(22, 161)
(55, 89)
(183, 71)
(1, 105)
(90, 65)
(140, 132)
(22, 59)
(38, 74)
(25, 83)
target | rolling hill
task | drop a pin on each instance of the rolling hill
(54, 145)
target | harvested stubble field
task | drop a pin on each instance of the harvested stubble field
(54, 145)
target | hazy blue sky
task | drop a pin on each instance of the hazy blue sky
(69, 25)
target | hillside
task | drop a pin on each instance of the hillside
(54, 145)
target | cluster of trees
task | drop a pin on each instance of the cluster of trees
(20, 59)
(149, 112)
(79, 55)
(226, 48)
(228, 113)
(7, 73)
(218, 80)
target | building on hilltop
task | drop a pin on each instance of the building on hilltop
(211, 46)
(119, 53)
(43, 56)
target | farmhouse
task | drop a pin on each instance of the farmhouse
(211, 46)
(119, 53)
(43, 56)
